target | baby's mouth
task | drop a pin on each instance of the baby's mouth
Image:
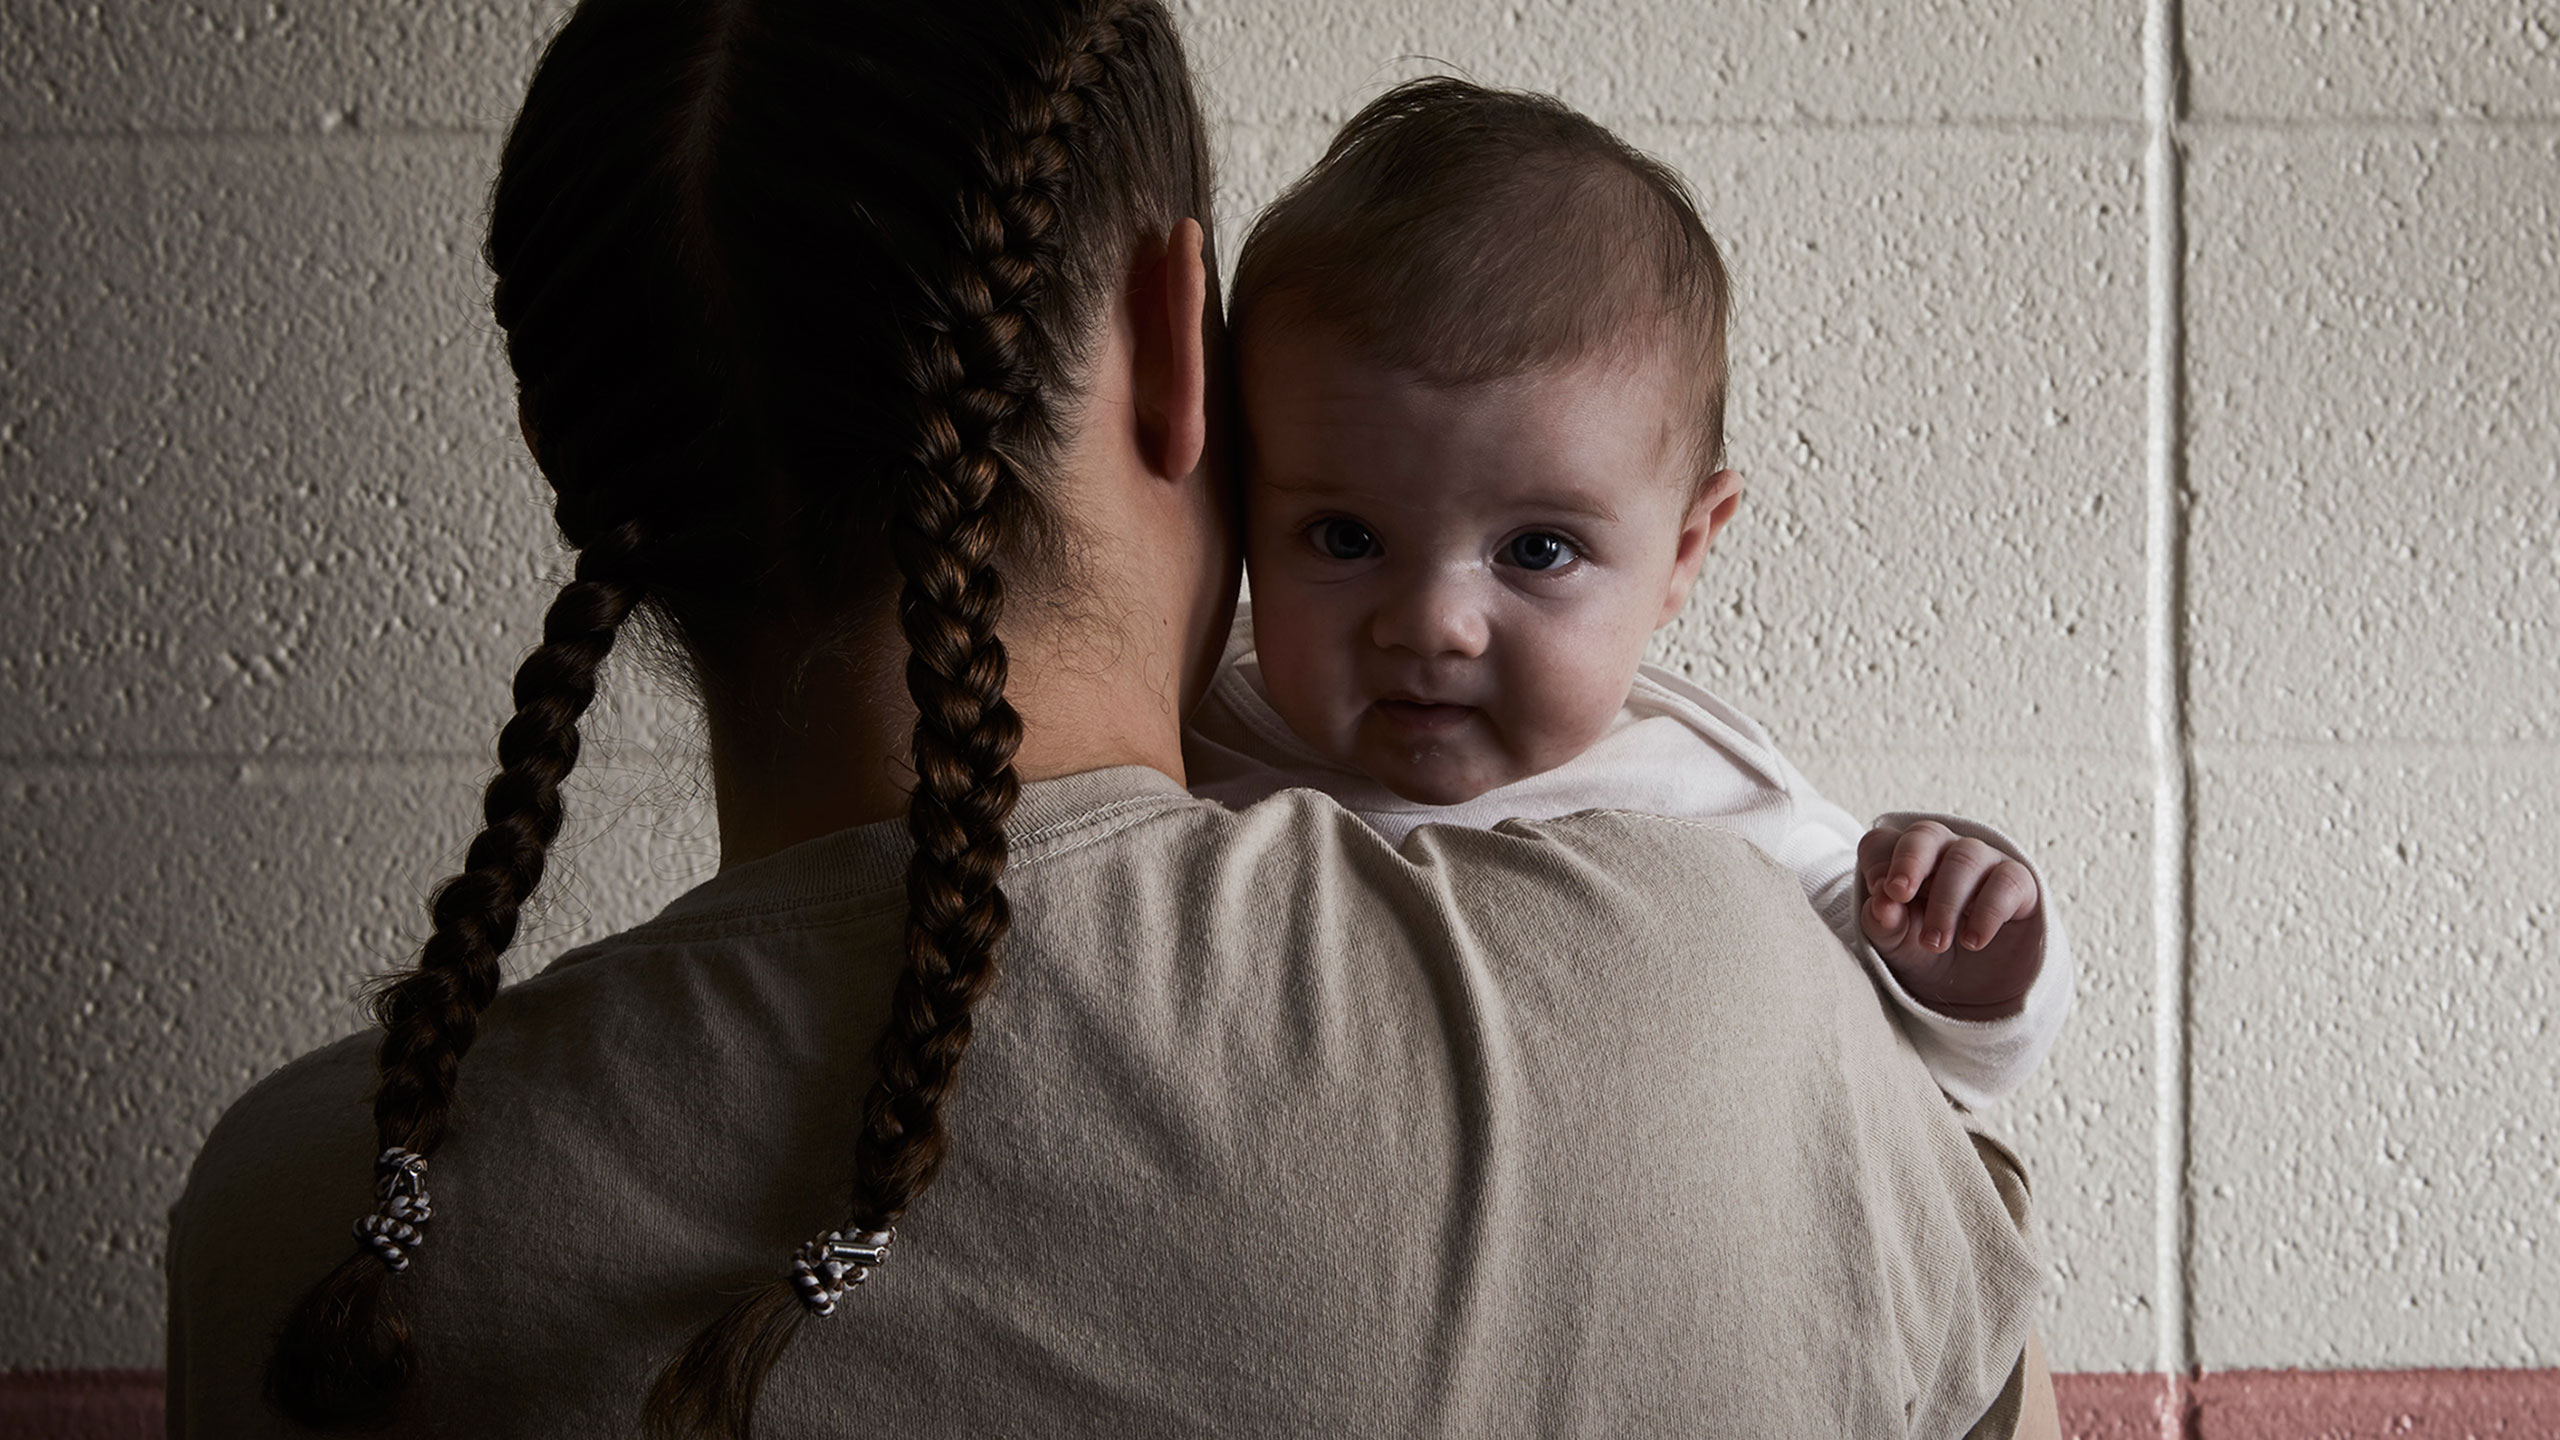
(1422, 717)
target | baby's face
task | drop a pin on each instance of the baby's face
(1452, 586)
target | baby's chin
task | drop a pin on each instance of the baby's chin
(1428, 792)
(1425, 783)
(1466, 764)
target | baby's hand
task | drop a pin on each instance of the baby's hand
(1930, 890)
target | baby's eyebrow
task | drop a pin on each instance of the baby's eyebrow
(1319, 490)
(1566, 502)
(1590, 507)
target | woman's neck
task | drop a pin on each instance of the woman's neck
(831, 751)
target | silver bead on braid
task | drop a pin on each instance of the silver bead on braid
(830, 1265)
(395, 1228)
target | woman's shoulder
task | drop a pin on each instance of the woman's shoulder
(265, 1211)
(1298, 883)
(1676, 902)
(1606, 857)
(1304, 832)
(1295, 831)
(272, 1140)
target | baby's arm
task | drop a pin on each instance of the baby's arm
(1982, 1029)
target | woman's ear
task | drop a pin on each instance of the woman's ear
(1717, 499)
(1169, 301)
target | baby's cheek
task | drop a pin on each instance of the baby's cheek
(1575, 692)
(1298, 672)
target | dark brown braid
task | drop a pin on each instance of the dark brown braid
(344, 1355)
(430, 1016)
(976, 373)
(971, 400)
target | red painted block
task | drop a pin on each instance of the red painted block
(2120, 1407)
(80, 1405)
(2230, 1405)
(2378, 1405)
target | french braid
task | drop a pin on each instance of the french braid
(977, 369)
(344, 1356)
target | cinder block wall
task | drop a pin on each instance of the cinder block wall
(2151, 413)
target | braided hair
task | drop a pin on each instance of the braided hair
(789, 287)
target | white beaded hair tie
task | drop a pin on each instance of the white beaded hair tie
(395, 1228)
(830, 1265)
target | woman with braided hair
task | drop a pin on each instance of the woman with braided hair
(871, 351)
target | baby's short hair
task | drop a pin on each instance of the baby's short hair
(1466, 234)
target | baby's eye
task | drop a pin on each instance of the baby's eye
(1538, 550)
(1343, 539)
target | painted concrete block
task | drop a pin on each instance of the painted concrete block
(176, 933)
(2083, 1124)
(263, 489)
(86, 67)
(1663, 60)
(1937, 403)
(2375, 1014)
(75, 66)
(2374, 447)
(2413, 58)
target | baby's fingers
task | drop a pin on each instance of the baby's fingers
(1887, 924)
(1897, 865)
(2007, 893)
(1962, 867)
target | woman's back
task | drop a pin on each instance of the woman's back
(1267, 1129)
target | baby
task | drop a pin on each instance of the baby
(1482, 359)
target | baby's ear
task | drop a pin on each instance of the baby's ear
(1717, 499)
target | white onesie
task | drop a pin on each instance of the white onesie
(1674, 750)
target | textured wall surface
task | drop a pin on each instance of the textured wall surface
(2153, 423)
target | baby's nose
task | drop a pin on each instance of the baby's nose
(1435, 617)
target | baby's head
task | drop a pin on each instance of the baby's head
(1483, 366)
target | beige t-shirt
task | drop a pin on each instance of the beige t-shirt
(1575, 1127)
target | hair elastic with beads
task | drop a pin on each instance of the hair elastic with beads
(830, 1265)
(395, 1228)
